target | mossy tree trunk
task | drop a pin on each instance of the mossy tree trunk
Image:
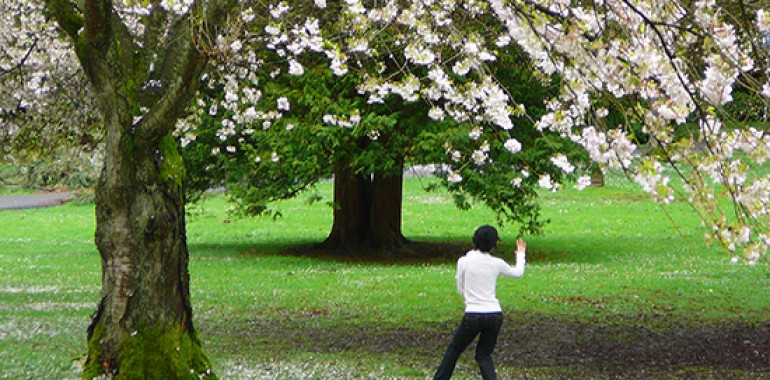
(143, 326)
(367, 212)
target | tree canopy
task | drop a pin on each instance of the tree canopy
(263, 162)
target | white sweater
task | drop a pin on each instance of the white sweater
(477, 274)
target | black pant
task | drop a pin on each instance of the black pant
(487, 326)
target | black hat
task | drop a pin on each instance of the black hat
(485, 238)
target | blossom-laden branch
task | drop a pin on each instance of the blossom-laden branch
(43, 98)
(654, 67)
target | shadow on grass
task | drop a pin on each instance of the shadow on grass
(418, 251)
(415, 252)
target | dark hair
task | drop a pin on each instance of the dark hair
(485, 238)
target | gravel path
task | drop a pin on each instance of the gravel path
(37, 200)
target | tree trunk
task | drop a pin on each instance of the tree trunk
(351, 217)
(386, 210)
(597, 177)
(143, 326)
(367, 212)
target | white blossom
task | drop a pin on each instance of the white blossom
(547, 183)
(475, 133)
(436, 113)
(479, 157)
(277, 10)
(454, 177)
(583, 182)
(283, 104)
(563, 163)
(420, 55)
(295, 68)
(236, 46)
(513, 145)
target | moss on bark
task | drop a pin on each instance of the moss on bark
(172, 168)
(93, 365)
(152, 354)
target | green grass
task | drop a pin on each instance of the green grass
(608, 256)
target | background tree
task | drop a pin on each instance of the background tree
(365, 150)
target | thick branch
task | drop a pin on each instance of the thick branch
(98, 29)
(68, 17)
(183, 64)
(154, 27)
(155, 30)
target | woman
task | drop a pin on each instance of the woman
(477, 273)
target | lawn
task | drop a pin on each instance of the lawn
(617, 287)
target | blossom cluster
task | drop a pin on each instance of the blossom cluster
(43, 93)
(664, 88)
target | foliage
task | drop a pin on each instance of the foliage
(66, 171)
(276, 162)
(746, 107)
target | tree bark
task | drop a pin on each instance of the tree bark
(143, 327)
(351, 217)
(367, 212)
(386, 210)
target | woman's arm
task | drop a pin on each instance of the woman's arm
(521, 261)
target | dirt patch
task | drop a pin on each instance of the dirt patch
(552, 347)
(627, 347)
